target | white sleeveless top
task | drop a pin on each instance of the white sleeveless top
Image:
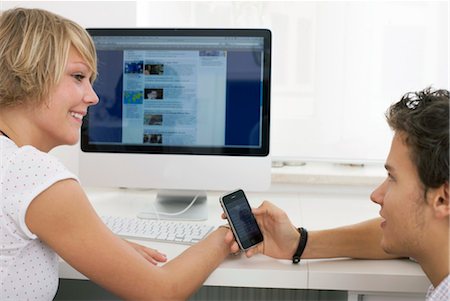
(28, 267)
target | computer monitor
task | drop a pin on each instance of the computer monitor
(183, 111)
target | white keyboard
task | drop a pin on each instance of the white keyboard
(158, 230)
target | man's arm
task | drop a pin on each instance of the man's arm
(361, 240)
(281, 238)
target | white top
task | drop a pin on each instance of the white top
(441, 292)
(28, 267)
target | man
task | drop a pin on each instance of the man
(414, 201)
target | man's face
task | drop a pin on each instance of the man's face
(403, 207)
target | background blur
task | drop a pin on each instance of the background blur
(337, 65)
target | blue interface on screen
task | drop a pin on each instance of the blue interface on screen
(178, 91)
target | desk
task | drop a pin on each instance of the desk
(387, 279)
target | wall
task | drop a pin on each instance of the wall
(337, 65)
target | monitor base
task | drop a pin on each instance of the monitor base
(173, 205)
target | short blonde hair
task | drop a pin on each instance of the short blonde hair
(34, 48)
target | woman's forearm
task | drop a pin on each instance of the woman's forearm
(190, 269)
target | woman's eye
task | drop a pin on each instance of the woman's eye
(79, 77)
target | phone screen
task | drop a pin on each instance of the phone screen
(241, 219)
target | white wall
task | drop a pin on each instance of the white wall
(337, 65)
(86, 13)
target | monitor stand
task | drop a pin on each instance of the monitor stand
(173, 205)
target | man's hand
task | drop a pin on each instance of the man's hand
(280, 236)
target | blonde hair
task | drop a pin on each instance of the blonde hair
(34, 48)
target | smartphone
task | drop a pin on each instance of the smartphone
(241, 219)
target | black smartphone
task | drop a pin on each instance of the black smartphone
(242, 221)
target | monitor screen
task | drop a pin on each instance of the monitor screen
(180, 110)
(180, 91)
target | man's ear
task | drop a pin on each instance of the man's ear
(440, 202)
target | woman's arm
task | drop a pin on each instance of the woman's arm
(63, 217)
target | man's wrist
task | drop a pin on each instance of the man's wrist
(294, 240)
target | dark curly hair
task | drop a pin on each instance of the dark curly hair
(424, 118)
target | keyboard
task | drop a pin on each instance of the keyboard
(187, 233)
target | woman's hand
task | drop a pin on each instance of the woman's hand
(153, 256)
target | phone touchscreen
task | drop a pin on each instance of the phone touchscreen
(241, 217)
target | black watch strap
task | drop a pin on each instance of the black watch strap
(301, 245)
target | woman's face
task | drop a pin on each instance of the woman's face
(59, 119)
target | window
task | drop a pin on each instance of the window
(337, 66)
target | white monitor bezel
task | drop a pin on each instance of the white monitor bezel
(221, 168)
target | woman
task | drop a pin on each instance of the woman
(47, 66)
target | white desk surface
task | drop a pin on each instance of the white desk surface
(311, 210)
